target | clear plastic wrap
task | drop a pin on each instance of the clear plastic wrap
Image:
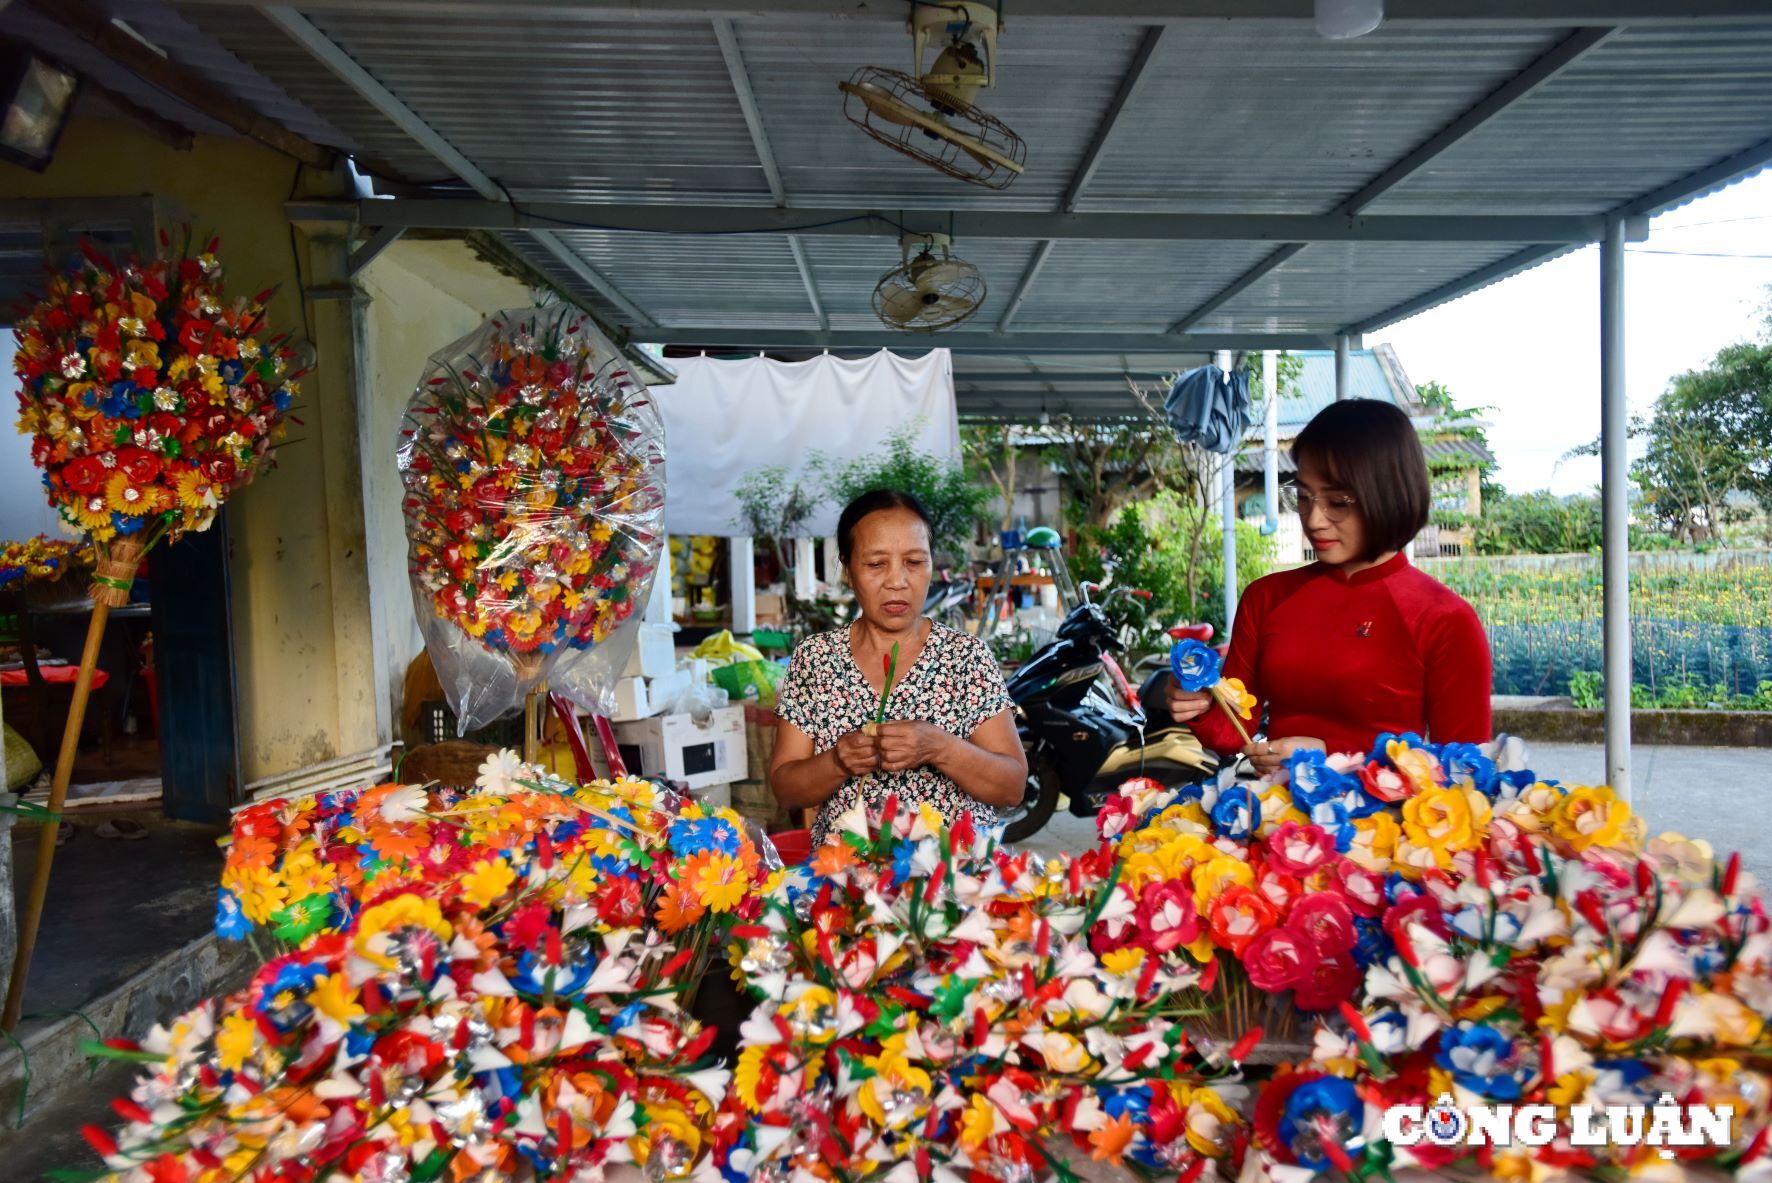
(533, 462)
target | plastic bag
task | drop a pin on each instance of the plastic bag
(751, 681)
(533, 465)
(698, 700)
(723, 649)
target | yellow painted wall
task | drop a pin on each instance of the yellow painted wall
(422, 296)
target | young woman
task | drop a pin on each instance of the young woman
(950, 740)
(1359, 642)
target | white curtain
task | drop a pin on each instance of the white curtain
(725, 418)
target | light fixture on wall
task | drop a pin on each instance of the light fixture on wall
(36, 97)
(1342, 20)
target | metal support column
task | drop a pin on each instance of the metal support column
(1270, 450)
(1341, 346)
(1227, 496)
(1615, 503)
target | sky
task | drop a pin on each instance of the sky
(1528, 348)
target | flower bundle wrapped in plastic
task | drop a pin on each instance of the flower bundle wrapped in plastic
(150, 397)
(532, 460)
(41, 560)
(935, 1007)
(1524, 946)
(486, 984)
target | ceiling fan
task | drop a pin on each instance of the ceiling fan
(931, 290)
(931, 116)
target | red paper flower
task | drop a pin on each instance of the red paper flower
(1238, 916)
(1325, 918)
(1279, 959)
(1299, 849)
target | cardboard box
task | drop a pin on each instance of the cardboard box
(772, 608)
(655, 653)
(632, 700)
(677, 748)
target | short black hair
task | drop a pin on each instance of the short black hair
(873, 501)
(1371, 449)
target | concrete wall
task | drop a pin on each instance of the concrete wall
(422, 296)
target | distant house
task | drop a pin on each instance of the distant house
(1454, 464)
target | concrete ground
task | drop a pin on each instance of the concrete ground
(1723, 795)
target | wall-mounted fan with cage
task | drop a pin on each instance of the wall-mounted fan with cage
(931, 116)
(932, 289)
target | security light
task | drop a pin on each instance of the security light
(36, 97)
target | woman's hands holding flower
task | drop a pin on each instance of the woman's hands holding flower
(905, 745)
(1271, 755)
(857, 753)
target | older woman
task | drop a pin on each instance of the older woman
(949, 740)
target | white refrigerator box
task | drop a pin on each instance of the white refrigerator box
(677, 748)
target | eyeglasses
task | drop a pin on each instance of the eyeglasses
(1337, 507)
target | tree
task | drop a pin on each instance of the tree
(1707, 443)
(955, 503)
(772, 508)
(991, 451)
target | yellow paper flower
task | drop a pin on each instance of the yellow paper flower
(333, 997)
(1375, 841)
(1417, 766)
(718, 880)
(403, 911)
(893, 1073)
(1592, 817)
(1218, 876)
(1211, 1124)
(1237, 697)
(235, 1040)
(978, 1123)
(125, 496)
(488, 880)
(1446, 820)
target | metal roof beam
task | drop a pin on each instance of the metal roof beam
(1129, 82)
(1540, 71)
(1565, 14)
(466, 214)
(962, 340)
(1725, 171)
(753, 121)
(331, 55)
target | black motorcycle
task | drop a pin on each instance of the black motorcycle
(1085, 731)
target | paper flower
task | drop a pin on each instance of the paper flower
(41, 560)
(531, 458)
(140, 381)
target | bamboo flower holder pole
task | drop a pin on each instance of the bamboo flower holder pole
(110, 589)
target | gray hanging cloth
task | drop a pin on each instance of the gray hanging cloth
(1210, 408)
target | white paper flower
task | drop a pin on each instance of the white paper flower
(499, 772)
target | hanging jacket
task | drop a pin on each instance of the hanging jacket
(1209, 407)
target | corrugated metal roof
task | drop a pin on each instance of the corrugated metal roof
(1232, 116)
(1437, 451)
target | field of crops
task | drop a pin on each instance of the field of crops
(1701, 620)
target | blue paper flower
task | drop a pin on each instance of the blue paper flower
(1466, 762)
(1196, 665)
(1237, 813)
(230, 922)
(1327, 1107)
(1481, 1059)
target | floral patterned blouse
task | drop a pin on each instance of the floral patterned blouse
(954, 684)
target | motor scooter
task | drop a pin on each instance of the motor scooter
(1086, 730)
(948, 599)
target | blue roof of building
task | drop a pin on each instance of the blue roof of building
(1371, 373)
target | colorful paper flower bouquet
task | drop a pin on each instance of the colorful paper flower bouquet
(473, 984)
(150, 396)
(532, 460)
(936, 1007)
(41, 560)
